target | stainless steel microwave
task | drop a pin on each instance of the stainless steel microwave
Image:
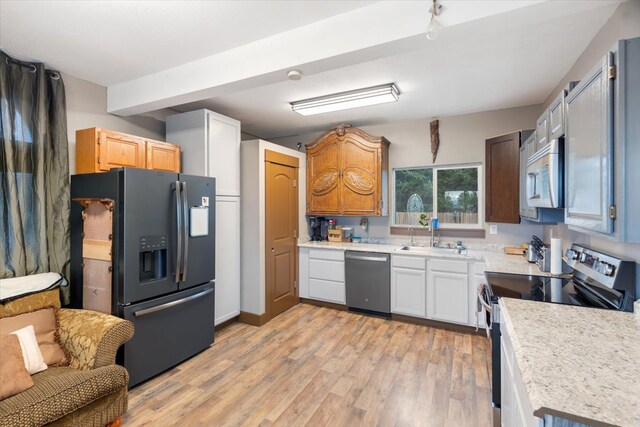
(544, 181)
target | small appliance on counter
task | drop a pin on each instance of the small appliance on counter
(316, 223)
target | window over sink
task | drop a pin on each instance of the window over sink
(453, 191)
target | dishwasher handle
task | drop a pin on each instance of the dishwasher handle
(367, 258)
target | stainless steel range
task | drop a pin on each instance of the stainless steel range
(597, 280)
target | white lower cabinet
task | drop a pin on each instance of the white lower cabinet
(322, 275)
(516, 410)
(408, 286)
(448, 291)
(227, 297)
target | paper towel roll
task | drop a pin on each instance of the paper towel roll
(556, 290)
(556, 256)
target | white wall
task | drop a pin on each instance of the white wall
(253, 235)
(462, 140)
(623, 24)
(87, 108)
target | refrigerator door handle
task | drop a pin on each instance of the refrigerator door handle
(185, 229)
(178, 230)
(161, 307)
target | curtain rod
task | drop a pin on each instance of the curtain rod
(32, 68)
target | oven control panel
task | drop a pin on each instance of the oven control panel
(600, 263)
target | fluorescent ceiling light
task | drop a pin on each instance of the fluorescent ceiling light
(345, 100)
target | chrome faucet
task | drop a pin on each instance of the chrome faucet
(431, 229)
(412, 242)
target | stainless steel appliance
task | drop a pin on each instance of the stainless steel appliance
(544, 177)
(596, 280)
(163, 262)
(367, 281)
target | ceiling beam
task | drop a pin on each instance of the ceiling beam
(379, 30)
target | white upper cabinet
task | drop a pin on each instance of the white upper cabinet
(542, 131)
(210, 146)
(224, 155)
(556, 116)
(601, 147)
(589, 151)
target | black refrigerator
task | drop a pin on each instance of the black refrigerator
(163, 262)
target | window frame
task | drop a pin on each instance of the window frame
(435, 169)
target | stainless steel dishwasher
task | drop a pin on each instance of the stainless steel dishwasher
(367, 277)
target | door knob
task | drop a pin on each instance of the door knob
(273, 249)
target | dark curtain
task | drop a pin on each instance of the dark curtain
(34, 170)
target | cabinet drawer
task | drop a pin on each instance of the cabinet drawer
(326, 270)
(327, 291)
(449, 266)
(336, 255)
(418, 263)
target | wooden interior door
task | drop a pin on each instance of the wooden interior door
(162, 156)
(281, 223)
(323, 178)
(119, 150)
(359, 188)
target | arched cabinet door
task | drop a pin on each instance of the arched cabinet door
(347, 173)
(323, 177)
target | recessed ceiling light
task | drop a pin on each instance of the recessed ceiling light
(345, 100)
(294, 75)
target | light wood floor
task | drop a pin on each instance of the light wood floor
(317, 366)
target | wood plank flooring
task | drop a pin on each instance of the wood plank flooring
(314, 366)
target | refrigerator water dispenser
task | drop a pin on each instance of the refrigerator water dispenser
(153, 258)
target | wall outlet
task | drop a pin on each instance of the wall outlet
(205, 202)
(493, 229)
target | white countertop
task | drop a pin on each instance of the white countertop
(495, 260)
(577, 363)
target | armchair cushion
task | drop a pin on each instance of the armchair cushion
(61, 391)
(92, 338)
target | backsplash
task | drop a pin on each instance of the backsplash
(508, 234)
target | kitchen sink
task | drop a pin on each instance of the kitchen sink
(436, 249)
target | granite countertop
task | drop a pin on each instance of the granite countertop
(577, 363)
(494, 258)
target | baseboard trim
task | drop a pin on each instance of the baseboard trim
(253, 319)
(226, 323)
(323, 304)
(437, 324)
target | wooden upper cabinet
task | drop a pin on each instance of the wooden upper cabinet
(502, 179)
(347, 173)
(100, 150)
(162, 156)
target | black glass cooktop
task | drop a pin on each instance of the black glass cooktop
(545, 289)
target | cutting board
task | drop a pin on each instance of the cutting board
(513, 250)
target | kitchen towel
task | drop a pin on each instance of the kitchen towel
(556, 256)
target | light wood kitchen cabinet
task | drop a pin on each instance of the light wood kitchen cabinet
(448, 291)
(408, 286)
(162, 156)
(100, 150)
(347, 173)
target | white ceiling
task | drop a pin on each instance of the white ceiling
(491, 54)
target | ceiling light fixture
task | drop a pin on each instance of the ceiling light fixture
(345, 100)
(294, 75)
(433, 29)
